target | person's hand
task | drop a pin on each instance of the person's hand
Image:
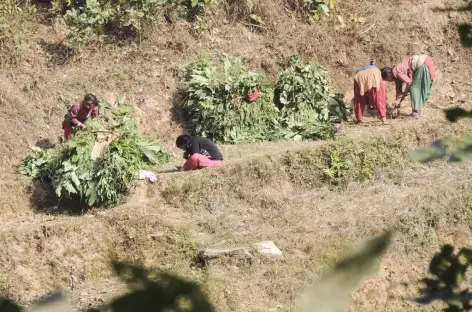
(395, 113)
(82, 126)
(397, 104)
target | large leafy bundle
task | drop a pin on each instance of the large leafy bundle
(303, 92)
(217, 104)
(69, 167)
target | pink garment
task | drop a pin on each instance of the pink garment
(199, 161)
(404, 70)
(432, 69)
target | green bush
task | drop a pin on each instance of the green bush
(88, 22)
(70, 170)
(91, 20)
(217, 106)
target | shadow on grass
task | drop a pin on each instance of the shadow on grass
(44, 200)
(44, 144)
(58, 53)
(177, 110)
(150, 291)
(464, 29)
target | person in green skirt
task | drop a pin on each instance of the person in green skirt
(417, 74)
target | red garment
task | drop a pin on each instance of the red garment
(374, 96)
(432, 69)
(199, 161)
(68, 130)
(253, 96)
(79, 114)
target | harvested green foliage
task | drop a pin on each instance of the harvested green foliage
(217, 105)
(304, 91)
(69, 167)
(36, 164)
(307, 102)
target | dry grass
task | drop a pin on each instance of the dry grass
(313, 227)
(313, 223)
(265, 195)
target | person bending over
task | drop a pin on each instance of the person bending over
(369, 90)
(79, 112)
(199, 152)
(417, 74)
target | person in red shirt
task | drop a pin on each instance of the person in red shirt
(79, 112)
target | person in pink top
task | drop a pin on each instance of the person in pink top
(79, 112)
(417, 75)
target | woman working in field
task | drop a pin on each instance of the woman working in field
(369, 89)
(200, 152)
(417, 73)
(79, 112)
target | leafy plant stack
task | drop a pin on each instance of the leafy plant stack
(71, 171)
(218, 106)
(307, 101)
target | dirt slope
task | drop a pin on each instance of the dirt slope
(163, 226)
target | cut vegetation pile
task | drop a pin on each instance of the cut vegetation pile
(74, 173)
(219, 103)
(218, 107)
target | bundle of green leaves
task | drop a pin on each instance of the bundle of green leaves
(307, 102)
(303, 92)
(217, 104)
(70, 170)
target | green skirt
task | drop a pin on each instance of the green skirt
(420, 89)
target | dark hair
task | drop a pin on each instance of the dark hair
(183, 140)
(91, 97)
(385, 72)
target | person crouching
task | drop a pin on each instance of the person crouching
(199, 152)
(78, 114)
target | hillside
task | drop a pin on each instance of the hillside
(266, 191)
